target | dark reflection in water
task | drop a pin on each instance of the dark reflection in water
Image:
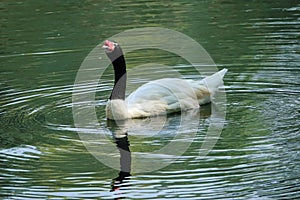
(122, 144)
(165, 130)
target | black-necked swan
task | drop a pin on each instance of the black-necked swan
(158, 97)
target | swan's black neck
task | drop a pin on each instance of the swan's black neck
(119, 65)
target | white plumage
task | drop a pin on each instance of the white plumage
(165, 96)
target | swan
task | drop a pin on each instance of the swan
(158, 97)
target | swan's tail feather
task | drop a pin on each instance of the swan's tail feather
(207, 87)
(214, 81)
(222, 72)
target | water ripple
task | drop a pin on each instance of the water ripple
(40, 53)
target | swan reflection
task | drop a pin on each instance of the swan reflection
(163, 127)
(122, 143)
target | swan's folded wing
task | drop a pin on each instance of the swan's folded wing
(161, 97)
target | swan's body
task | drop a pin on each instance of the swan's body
(158, 97)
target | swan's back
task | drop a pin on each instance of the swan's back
(170, 95)
(162, 96)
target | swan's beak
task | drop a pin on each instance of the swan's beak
(109, 46)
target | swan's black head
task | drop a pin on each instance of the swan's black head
(112, 50)
(115, 54)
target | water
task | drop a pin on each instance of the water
(257, 154)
